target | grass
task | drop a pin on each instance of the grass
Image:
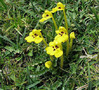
(22, 64)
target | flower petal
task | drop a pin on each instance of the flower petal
(54, 10)
(50, 50)
(60, 6)
(48, 64)
(58, 53)
(30, 34)
(51, 44)
(37, 39)
(57, 31)
(46, 15)
(42, 20)
(62, 38)
(65, 37)
(38, 32)
(29, 39)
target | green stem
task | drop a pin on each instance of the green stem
(71, 43)
(45, 42)
(51, 57)
(66, 25)
(62, 59)
(61, 62)
(67, 49)
(54, 22)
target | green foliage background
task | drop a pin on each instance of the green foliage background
(22, 64)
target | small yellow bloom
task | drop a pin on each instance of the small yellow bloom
(61, 35)
(72, 35)
(54, 49)
(54, 9)
(59, 7)
(46, 15)
(48, 64)
(34, 36)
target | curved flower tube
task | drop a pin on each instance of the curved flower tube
(54, 49)
(34, 36)
(48, 64)
(61, 35)
(46, 15)
(59, 7)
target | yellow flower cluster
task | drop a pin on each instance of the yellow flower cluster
(59, 7)
(61, 35)
(55, 47)
(46, 15)
(34, 36)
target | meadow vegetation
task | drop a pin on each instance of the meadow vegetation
(22, 64)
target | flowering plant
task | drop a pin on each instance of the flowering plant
(55, 47)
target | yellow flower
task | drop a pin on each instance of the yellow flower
(59, 6)
(48, 64)
(72, 35)
(61, 35)
(46, 15)
(54, 49)
(34, 36)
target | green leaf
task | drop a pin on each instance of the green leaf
(3, 4)
(17, 51)
(39, 73)
(95, 13)
(7, 39)
(18, 58)
(96, 83)
(89, 78)
(1, 89)
(9, 48)
(13, 77)
(56, 85)
(23, 36)
(32, 85)
(30, 53)
(73, 68)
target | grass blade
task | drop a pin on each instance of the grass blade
(89, 78)
(7, 39)
(32, 85)
(3, 4)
